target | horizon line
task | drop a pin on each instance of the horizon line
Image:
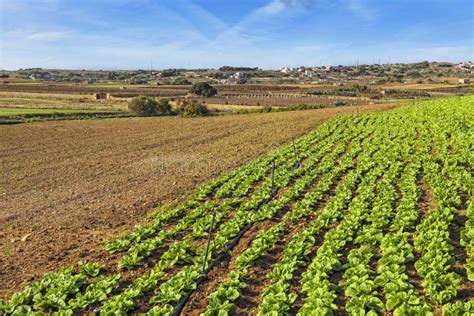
(241, 66)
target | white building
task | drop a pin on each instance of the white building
(465, 66)
(286, 70)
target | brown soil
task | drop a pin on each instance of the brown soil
(87, 89)
(68, 185)
(198, 301)
(250, 298)
(426, 201)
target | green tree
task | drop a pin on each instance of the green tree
(145, 106)
(204, 89)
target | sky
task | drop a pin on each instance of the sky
(158, 34)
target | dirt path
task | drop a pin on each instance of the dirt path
(67, 185)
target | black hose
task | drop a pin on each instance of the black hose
(235, 241)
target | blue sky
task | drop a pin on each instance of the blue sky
(132, 34)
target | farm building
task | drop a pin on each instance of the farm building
(101, 96)
(464, 81)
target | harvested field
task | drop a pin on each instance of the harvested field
(88, 89)
(284, 101)
(68, 185)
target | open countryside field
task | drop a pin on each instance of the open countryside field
(28, 94)
(67, 185)
(47, 102)
(119, 90)
(367, 214)
(34, 111)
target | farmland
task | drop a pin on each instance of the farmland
(29, 101)
(366, 214)
(55, 93)
(68, 184)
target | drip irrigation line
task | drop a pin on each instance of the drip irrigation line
(235, 241)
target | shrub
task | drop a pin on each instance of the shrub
(169, 73)
(340, 103)
(136, 80)
(143, 106)
(203, 89)
(192, 109)
(218, 75)
(163, 106)
(181, 81)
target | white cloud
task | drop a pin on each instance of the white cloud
(17, 6)
(308, 4)
(205, 16)
(47, 36)
(43, 36)
(362, 8)
(272, 8)
(253, 29)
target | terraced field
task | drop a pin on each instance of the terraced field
(368, 214)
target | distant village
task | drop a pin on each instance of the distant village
(423, 72)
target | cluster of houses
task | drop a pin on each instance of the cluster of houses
(467, 66)
(305, 70)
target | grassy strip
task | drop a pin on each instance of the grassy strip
(13, 116)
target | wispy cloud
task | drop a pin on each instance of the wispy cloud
(48, 36)
(22, 6)
(272, 8)
(45, 36)
(203, 15)
(308, 4)
(362, 8)
(258, 25)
